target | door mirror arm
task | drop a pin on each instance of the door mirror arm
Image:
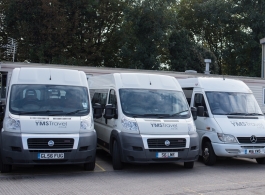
(194, 112)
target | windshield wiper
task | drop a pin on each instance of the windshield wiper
(39, 112)
(236, 113)
(253, 114)
(157, 115)
(145, 115)
(178, 113)
(76, 111)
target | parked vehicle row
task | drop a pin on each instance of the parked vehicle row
(57, 116)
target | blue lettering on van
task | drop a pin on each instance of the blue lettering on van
(166, 125)
(246, 124)
(51, 123)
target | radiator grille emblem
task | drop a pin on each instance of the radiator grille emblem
(50, 143)
(167, 143)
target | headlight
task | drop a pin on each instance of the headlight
(11, 124)
(192, 128)
(86, 124)
(226, 138)
(129, 124)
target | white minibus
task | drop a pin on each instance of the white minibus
(229, 120)
(143, 118)
(47, 119)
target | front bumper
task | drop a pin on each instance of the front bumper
(236, 150)
(14, 153)
(134, 150)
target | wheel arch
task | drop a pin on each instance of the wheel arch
(204, 140)
(115, 135)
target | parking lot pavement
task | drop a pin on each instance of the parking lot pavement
(228, 176)
(104, 164)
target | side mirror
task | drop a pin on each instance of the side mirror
(200, 111)
(194, 112)
(97, 111)
(110, 111)
(2, 111)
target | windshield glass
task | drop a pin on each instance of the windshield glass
(149, 103)
(49, 100)
(225, 103)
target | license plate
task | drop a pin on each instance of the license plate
(166, 155)
(50, 155)
(253, 151)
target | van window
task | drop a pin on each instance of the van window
(100, 98)
(112, 98)
(3, 85)
(49, 100)
(153, 103)
(225, 103)
(199, 101)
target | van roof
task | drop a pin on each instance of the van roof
(215, 84)
(53, 76)
(134, 80)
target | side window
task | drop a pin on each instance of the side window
(199, 101)
(99, 98)
(112, 98)
(95, 98)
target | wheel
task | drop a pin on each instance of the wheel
(188, 165)
(260, 160)
(209, 157)
(116, 158)
(4, 167)
(89, 166)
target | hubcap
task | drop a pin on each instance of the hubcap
(205, 154)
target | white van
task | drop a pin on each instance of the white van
(47, 119)
(229, 120)
(143, 118)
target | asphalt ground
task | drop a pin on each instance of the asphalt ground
(228, 176)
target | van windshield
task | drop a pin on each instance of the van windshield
(233, 103)
(148, 103)
(49, 100)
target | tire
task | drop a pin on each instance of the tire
(188, 165)
(209, 157)
(89, 166)
(260, 160)
(116, 158)
(4, 168)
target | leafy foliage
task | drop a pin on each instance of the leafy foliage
(142, 34)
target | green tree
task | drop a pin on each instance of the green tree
(186, 54)
(144, 33)
(243, 55)
(230, 29)
(59, 31)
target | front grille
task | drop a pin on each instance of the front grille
(160, 143)
(42, 143)
(165, 159)
(246, 140)
(252, 147)
(50, 151)
(50, 161)
(166, 150)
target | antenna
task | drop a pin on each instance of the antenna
(11, 47)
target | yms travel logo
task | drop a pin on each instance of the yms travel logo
(51, 124)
